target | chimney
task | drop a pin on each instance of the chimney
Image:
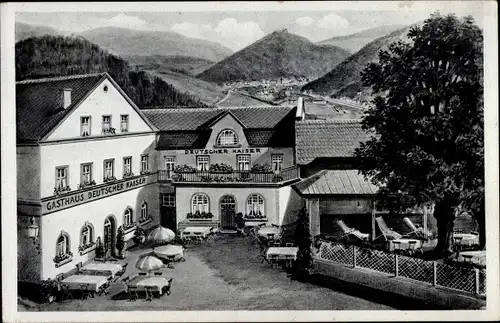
(301, 111)
(66, 98)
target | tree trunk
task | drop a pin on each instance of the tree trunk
(444, 214)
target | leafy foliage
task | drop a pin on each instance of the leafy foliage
(120, 240)
(50, 56)
(428, 119)
(303, 240)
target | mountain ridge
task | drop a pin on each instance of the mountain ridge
(278, 54)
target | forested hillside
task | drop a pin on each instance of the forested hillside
(50, 56)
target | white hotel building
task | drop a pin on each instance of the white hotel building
(86, 166)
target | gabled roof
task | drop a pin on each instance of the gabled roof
(198, 118)
(336, 182)
(39, 103)
(270, 126)
(327, 138)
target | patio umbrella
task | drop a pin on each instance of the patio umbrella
(149, 262)
(161, 235)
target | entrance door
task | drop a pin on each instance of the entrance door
(227, 212)
(168, 217)
(109, 236)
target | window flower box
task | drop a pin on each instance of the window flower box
(146, 220)
(220, 169)
(60, 260)
(85, 184)
(109, 179)
(127, 175)
(129, 228)
(258, 216)
(109, 131)
(199, 216)
(86, 248)
(145, 172)
(261, 168)
(184, 169)
(61, 190)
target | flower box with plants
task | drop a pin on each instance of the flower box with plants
(254, 216)
(261, 168)
(109, 131)
(127, 175)
(61, 190)
(120, 243)
(145, 172)
(85, 184)
(184, 169)
(145, 220)
(63, 259)
(129, 227)
(199, 216)
(86, 247)
(109, 179)
(220, 168)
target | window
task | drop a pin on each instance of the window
(202, 163)
(200, 203)
(144, 163)
(109, 168)
(127, 166)
(227, 138)
(144, 212)
(243, 162)
(61, 177)
(127, 218)
(169, 165)
(106, 123)
(255, 205)
(277, 162)
(62, 246)
(86, 234)
(85, 126)
(168, 200)
(124, 123)
(86, 173)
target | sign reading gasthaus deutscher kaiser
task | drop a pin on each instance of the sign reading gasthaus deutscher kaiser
(57, 203)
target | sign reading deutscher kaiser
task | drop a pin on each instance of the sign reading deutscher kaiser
(57, 203)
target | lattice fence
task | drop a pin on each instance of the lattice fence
(450, 276)
(454, 277)
(416, 269)
(339, 253)
(376, 260)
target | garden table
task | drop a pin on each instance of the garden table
(404, 244)
(282, 252)
(104, 269)
(169, 250)
(468, 239)
(94, 282)
(268, 230)
(196, 231)
(155, 283)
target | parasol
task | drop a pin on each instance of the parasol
(149, 262)
(161, 235)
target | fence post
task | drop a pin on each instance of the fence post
(434, 273)
(396, 265)
(476, 289)
(354, 256)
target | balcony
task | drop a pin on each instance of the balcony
(229, 178)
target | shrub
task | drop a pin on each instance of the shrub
(120, 240)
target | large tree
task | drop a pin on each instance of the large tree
(427, 121)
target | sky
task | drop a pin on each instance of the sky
(237, 29)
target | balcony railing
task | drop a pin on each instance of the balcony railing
(238, 176)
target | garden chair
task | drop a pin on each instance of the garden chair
(252, 236)
(104, 289)
(132, 293)
(66, 292)
(85, 292)
(387, 233)
(121, 272)
(347, 231)
(418, 232)
(149, 294)
(167, 289)
(78, 267)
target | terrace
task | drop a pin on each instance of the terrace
(230, 177)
